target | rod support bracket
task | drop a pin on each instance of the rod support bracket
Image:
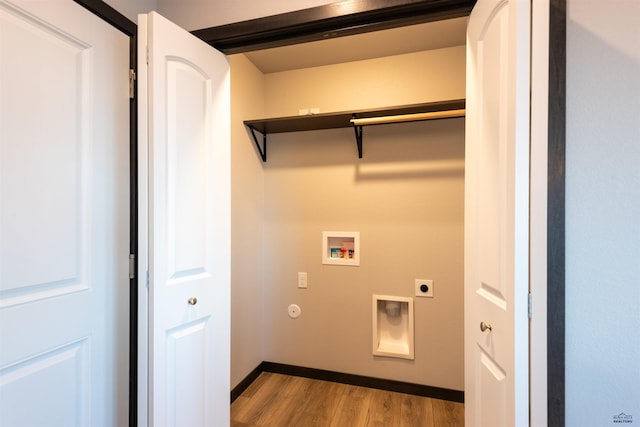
(358, 131)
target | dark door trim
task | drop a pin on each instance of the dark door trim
(329, 21)
(129, 28)
(556, 214)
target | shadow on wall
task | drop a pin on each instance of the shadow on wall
(410, 170)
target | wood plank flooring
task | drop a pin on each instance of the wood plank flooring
(277, 400)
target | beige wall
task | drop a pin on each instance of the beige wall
(412, 78)
(131, 9)
(247, 219)
(197, 14)
(405, 197)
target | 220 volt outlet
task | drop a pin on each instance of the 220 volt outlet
(424, 288)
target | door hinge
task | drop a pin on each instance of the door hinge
(132, 83)
(132, 266)
(530, 304)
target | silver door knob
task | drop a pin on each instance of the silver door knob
(192, 300)
(484, 326)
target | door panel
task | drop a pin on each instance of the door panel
(492, 181)
(491, 395)
(496, 214)
(186, 361)
(56, 241)
(66, 367)
(64, 228)
(188, 100)
(189, 226)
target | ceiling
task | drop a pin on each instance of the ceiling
(395, 41)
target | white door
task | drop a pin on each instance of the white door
(188, 190)
(64, 216)
(497, 214)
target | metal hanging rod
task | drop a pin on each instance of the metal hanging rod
(433, 115)
(400, 118)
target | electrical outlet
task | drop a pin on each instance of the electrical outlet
(294, 311)
(424, 288)
(302, 279)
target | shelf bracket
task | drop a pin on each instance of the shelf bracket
(262, 150)
(358, 130)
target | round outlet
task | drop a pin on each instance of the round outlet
(294, 311)
(424, 288)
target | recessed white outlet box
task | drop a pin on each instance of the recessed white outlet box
(302, 279)
(294, 311)
(341, 248)
(393, 326)
(424, 288)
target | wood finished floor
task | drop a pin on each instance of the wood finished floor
(277, 400)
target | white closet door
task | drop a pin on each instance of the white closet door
(64, 216)
(188, 188)
(497, 214)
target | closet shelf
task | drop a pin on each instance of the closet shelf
(404, 113)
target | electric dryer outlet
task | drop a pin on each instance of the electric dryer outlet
(424, 288)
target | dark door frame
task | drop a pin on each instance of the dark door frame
(556, 214)
(328, 21)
